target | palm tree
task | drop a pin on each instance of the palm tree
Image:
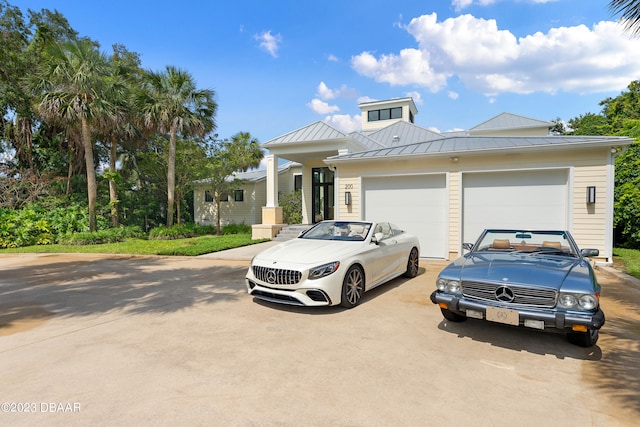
(172, 104)
(119, 127)
(69, 87)
(630, 11)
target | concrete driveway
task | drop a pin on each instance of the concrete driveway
(132, 340)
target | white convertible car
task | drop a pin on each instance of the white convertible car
(334, 262)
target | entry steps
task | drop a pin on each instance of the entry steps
(289, 232)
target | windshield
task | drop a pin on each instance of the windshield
(547, 242)
(338, 230)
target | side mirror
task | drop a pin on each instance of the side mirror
(590, 252)
(377, 237)
(467, 246)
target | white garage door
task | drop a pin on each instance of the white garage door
(416, 204)
(524, 199)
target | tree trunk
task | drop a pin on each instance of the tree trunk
(113, 191)
(92, 191)
(178, 198)
(218, 225)
(171, 176)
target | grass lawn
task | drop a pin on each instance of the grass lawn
(190, 247)
(627, 260)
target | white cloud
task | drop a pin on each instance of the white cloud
(363, 99)
(411, 66)
(345, 122)
(333, 58)
(417, 97)
(324, 92)
(269, 42)
(458, 5)
(320, 107)
(492, 61)
(453, 95)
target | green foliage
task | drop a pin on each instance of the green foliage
(291, 207)
(184, 231)
(40, 223)
(236, 229)
(111, 235)
(630, 258)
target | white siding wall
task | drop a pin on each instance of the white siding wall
(587, 223)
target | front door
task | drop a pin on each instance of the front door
(322, 192)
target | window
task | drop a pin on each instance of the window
(208, 196)
(238, 195)
(385, 114)
(224, 197)
(297, 182)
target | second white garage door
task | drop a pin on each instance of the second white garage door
(415, 203)
(518, 199)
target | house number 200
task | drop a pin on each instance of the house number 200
(348, 186)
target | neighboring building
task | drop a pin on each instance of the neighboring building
(446, 188)
(243, 204)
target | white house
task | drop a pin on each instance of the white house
(506, 172)
(243, 204)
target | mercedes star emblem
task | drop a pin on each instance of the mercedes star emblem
(504, 294)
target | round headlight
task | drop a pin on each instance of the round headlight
(588, 302)
(441, 284)
(567, 300)
(454, 287)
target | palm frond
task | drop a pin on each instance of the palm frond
(629, 11)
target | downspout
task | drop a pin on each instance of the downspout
(611, 166)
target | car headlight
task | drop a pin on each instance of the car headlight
(323, 270)
(578, 301)
(451, 286)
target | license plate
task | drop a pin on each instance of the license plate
(503, 315)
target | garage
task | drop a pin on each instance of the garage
(416, 203)
(535, 199)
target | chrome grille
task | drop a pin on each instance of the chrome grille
(276, 276)
(538, 297)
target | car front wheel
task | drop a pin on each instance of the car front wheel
(583, 339)
(412, 264)
(352, 287)
(450, 315)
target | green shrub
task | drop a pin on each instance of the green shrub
(291, 207)
(236, 229)
(111, 235)
(181, 231)
(41, 223)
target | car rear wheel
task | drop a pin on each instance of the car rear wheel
(412, 264)
(583, 339)
(454, 317)
(352, 287)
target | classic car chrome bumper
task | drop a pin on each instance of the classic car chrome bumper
(552, 318)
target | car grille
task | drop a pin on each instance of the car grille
(276, 276)
(521, 295)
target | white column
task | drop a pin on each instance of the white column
(272, 180)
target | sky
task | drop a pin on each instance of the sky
(277, 66)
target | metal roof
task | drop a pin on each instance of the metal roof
(469, 144)
(318, 131)
(403, 133)
(252, 175)
(366, 141)
(509, 121)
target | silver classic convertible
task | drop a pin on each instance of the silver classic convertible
(535, 279)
